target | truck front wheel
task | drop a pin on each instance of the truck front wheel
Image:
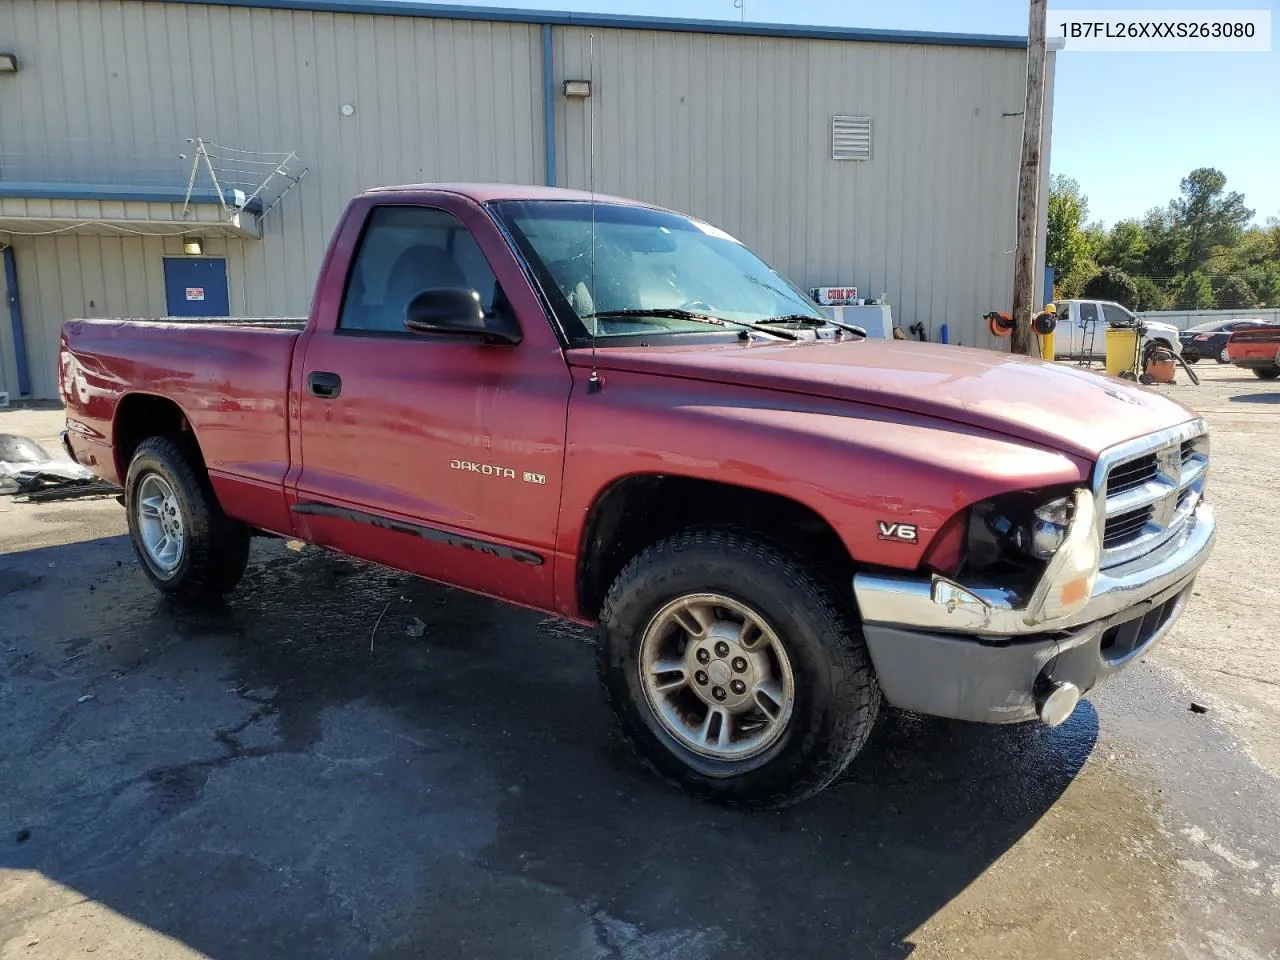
(1266, 373)
(734, 671)
(189, 549)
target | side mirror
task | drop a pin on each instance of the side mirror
(457, 311)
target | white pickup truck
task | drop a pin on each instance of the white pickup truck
(1081, 333)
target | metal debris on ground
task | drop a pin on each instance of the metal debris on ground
(26, 468)
(416, 629)
(73, 490)
(1198, 707)
(86, 698)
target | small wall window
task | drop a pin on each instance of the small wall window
(850, 138)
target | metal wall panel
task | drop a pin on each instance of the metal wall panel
(109, 92)
(738, 130)
(732, 128)
(8, 360)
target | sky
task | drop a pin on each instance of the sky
(1127, 126)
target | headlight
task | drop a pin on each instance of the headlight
(1037, 532)
(1039, 548)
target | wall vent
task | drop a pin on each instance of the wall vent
(850, 138)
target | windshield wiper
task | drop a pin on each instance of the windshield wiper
(673, 313)
(817, 321)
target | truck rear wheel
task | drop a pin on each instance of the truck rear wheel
(189, 549)
(734, 671)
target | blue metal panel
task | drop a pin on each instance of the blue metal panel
(549, 101)
(1049, 275)
(196, 287)
(25, 189)
(409, 8)
(15, 321)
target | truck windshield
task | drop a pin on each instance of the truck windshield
(649, 266)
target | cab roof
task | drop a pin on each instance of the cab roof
(486, 192)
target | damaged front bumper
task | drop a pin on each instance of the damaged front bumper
(941, 649)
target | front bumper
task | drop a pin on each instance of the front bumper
(953, 654)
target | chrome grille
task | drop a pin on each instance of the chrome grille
(1124, 527)
(1132, 473)
(1149, 489)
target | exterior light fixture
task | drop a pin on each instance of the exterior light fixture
(8, 63)
(577, 88)
(193, 246)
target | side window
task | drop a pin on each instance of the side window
(1088, 313)
(404, 251)
(1115, 315)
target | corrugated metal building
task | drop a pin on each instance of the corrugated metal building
(731, 122)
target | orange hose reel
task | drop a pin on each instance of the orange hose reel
(1001, 324)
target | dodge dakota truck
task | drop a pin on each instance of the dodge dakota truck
(620, 415)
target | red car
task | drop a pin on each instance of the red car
(1256, 348)
(620, 415)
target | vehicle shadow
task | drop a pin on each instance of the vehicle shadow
(1255, 398)
(275, 778)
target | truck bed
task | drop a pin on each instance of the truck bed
(228, 377)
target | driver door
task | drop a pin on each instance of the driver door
(434, 454)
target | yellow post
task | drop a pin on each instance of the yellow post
(1046, 346)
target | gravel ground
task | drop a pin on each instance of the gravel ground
(1227, 643)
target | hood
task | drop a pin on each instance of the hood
(1054, 405)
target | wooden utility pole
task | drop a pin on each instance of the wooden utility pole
(1024, 264)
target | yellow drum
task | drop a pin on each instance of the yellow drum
(1122, 348)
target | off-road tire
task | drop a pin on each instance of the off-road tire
(1266, 373)
(215, 547)
(836, 694)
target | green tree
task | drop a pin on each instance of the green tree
(1166, 244)
(1112, 283)
(1208, 215)
(1150, 295)
(1066, 248)
(1125, 247)
(1232, 292)
(1256, 261)
(1194, 292)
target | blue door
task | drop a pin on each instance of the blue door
(196, 287)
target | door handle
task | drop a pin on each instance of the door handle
(324, 385)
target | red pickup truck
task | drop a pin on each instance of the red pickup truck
(620, 415)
